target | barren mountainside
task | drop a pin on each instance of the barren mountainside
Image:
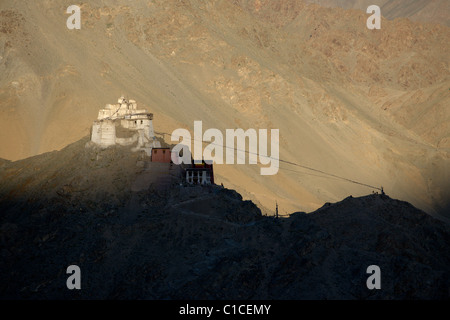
(367, 105)
(434, 11)
(162, 240)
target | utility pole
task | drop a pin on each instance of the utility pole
(276, 209)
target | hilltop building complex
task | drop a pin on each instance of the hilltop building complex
(124, 124)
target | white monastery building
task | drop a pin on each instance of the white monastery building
(124, 124)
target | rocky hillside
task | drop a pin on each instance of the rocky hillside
(367, 105)
(432, 11)
(163, 240)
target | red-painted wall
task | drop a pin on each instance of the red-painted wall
(161, 155)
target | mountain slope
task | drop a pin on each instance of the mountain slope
(434, 11)
(82, 206)
(367, 106)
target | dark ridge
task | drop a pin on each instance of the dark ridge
(76, 206)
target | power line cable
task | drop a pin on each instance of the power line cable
(285, 161)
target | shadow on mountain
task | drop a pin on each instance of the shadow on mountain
(169, 241)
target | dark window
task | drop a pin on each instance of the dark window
(164, 151)
(142, 121)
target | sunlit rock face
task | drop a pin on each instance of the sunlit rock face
(367, 105)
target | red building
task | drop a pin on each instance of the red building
(161, 155)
